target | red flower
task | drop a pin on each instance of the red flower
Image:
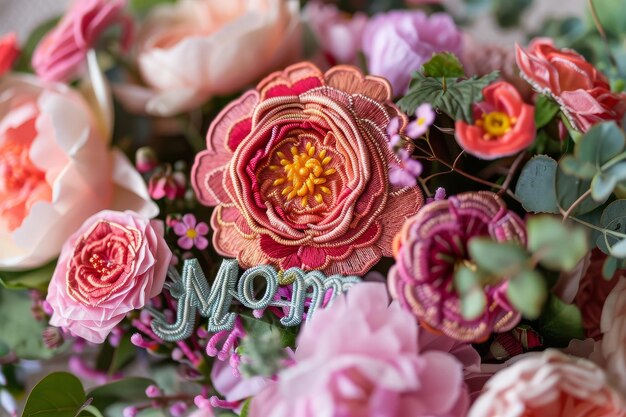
(582, 91)
(8, 52)
(504, 124)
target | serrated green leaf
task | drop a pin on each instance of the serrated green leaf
(545, 110)
(579, 169)
(560, 323)
(527, 292)
(59, 394)
(601, 143)
(37, 279)
(443, 64)
(536, 185)
(455, 99)
(556, 245)
(498, 258)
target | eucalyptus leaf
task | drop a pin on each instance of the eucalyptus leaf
(536, 185)
(37, 279)
(59, 394)
(601, 143)
(556, 245)
(613, 220)
(569, 189)
(609, 267)
(545, 110)
(560, 322)
(605, 182)
(443, 64)
(473, 303)
(580, 169)
(498, 258)
(466, 279)
(527, 292)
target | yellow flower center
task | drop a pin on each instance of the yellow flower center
(496, 124)
(191, 233)
(304, 174)
(420, 121)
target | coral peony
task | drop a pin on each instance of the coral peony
(298, 170)
(377, 371)
(613, 326)
(111, 265)
(63, 50)
(55, 171)
(429, 248)
(8, 52)
(399, 42)
(582, 91)
(503, 124)
(549, 384)
(224, 46)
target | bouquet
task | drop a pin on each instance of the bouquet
(282, 208)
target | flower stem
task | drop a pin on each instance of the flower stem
(575, 204)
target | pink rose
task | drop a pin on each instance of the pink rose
(113, 264)
(613, 326)
(299, 171)
(55, 170)
(63, 50)
(8, 52)
(582, 91)
(194, 49)
(358, 358)
(549, 384)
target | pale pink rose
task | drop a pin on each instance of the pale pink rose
(113, 264)
(359, 357)
(8, 52)
(613, 326)
(55, 171)
(339, 35)
(549, 384)
(193, 49)
(62, 51)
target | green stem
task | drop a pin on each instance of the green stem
(599, 229)
(575, 204)
(613, 161)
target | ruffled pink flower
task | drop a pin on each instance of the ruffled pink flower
(62, 51)
(613, 326)
(339, 35)
(113, 264)
(377, 371)
(191, 233)
(298, 170)
(427, 251)
(549, 384)
(8, 52)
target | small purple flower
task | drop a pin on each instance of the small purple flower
(424, 117)
(440, 194)
(191, 233)
(406, 172)
(153, 391)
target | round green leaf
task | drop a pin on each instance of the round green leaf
(613, 219)
(535, 186)
(556, 245)
(579, 169)
(473, 303)
(527, 293)
(605, 182)
(498, 258)
(609, 267)
(125, 390)
(59, 394)
(443, 64)
(560, 323)
(569, 189)
(601, 143)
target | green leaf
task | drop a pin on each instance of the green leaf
(498, 258)
(545, 110)
(455, 99)
(527, 292)
(22, 333)
(111, 359)
(601, 143)
(577, 168)
(257, 326)
(554, 244)
(59, 394)
(473, 303)
(125, 390)
(569, 189)
(443, 64)
(245, 409)
(465, 280)
(560, 323)
(509, 12)
(28, 47)
(536, 185)
(605, 182)
(609, 267)
(141, 7)
(614, 220)
(37, 279)
(4, 349)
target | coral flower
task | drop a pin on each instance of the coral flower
(299, 172)
(8, 52)
(549, 384)
(429, 248)
(504, 124)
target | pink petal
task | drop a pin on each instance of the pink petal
(201, 242)
(202, 228)
(180, 228)
(185, 242)
(190, 220)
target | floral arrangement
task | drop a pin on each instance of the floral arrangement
(339, 208)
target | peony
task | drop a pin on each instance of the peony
(399, 42)
(549, 384)
(430, 246)
(8, 52)
(377, 371)
(63, 50)
(55, 171)
(298, 170)
(224, 46)
(339, 35)
(111, 265)
(613, 326)
(503, 124)
(582, 91)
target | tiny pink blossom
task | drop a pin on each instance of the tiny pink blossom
(170, 185)
(406, 172)
(191, 233)
(424, 117)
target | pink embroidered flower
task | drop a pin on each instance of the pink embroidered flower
(298, 170)
(549, 384)
(427, 251)
(377, 371)
(8, 52)
(191, 233)
(582, 91)
(613, 326)
(55, 170)
(62, 51)
(113, 264)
